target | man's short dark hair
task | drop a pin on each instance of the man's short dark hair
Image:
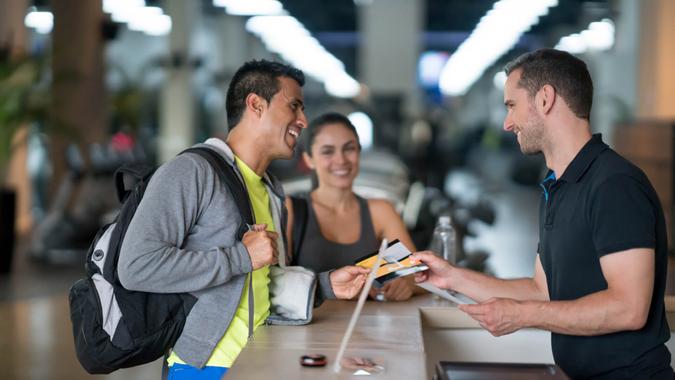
(260, 78)
(567, 74)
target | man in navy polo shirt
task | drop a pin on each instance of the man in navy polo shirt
(600, 271)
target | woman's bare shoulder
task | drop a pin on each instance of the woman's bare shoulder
(381, 208)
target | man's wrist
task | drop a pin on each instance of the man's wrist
(454, 279)
(529, 311)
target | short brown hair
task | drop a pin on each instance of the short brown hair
(567, 74)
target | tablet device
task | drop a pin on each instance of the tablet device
(456, 297)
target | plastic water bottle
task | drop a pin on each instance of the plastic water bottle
(443, 240)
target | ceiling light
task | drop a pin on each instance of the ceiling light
(151, 23)
(122, 10)
(42, 22)
(598, 37)
(114, 6)
(250, 7)
(287, 37)
(341, 85)
(138, 17)
(496, 33)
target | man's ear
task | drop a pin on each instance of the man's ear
(255, 104)
(547, 97)
(308, 160)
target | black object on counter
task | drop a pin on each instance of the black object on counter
(501, 371)
(313, 360)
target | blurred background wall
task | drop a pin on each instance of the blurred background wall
(88, 85)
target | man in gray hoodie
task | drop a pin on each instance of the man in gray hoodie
(183, 237)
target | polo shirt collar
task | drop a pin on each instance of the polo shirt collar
(583, 160)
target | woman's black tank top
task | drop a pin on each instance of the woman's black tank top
(320, 255)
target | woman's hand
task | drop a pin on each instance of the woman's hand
(400, 289)
(348, 281)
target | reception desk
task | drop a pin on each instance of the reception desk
(410, 337)
(388, 330)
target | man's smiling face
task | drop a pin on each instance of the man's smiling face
(284, 119)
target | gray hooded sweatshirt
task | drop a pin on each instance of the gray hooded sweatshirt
(182, 239)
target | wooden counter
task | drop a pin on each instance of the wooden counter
(409, 336)
(388, 330)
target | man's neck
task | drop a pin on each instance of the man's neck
(564, 146)
(245, 147)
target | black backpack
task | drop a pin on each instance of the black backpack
(118, 328)
(300, 216)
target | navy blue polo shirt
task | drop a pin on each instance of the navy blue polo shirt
(602, 204)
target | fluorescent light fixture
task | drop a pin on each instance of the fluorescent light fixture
(42, 22)
(573, 44)
(122, 10)
(598, 37)
(149, 20)
(364, 128)
(287, 37)
(114, 6)
(251, 7)
(496, 33)
(151, 24)
(341, 85)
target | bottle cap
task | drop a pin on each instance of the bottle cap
(444, 220)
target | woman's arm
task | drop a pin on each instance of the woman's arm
(388, 224)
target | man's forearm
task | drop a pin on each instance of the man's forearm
(481, 287)
(165, 269)
(596, 314)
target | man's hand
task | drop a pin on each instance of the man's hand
(440, 272)
(399, 289)
(348, 281)
(499, 316)
(261, 246)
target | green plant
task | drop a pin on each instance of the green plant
(127, 103)
(129, 100)
(23, 99)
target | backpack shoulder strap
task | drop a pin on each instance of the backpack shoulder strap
(231, 180)
(299, 225)
(128, 175)
(130, 194)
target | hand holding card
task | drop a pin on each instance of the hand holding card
(396, 263)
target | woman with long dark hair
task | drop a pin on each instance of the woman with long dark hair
(340, 226)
